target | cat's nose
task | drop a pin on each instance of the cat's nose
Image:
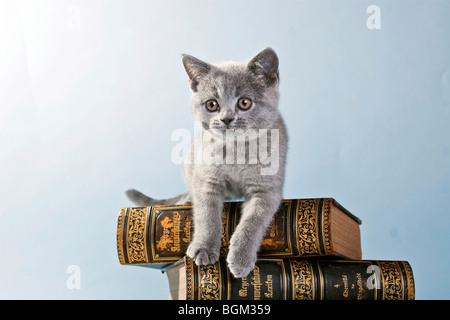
(227, 120)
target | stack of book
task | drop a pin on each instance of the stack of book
(312, 251)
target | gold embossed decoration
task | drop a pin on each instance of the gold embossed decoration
(327, 203)
(409, 280)
(303, 281)
(120, 226)
(189, 265)
(210, 282)
(169, 232)
(225, 236)
(136, 233)
(393, 281)
(307, 241)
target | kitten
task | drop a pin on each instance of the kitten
(237, 105)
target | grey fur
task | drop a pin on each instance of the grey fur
(210, 184)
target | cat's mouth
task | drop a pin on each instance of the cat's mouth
(237, 124)
(230, 127)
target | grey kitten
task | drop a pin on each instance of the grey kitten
(237, 105)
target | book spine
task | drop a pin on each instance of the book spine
(132, 236)
(161, 234)
(311, 228)
(302, 279)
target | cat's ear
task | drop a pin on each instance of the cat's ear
(196, 70)
(265, 66)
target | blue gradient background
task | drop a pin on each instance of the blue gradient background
(91, 91)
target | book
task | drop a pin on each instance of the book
(294, 279)
(157, 236)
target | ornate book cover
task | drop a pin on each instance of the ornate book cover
(294, 279)
(156, 236)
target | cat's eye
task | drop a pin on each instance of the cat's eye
(244, 103)
(212, 105)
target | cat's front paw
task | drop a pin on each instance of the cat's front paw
(240, 262)
(203, 255)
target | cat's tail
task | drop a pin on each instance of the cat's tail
(141, 199)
